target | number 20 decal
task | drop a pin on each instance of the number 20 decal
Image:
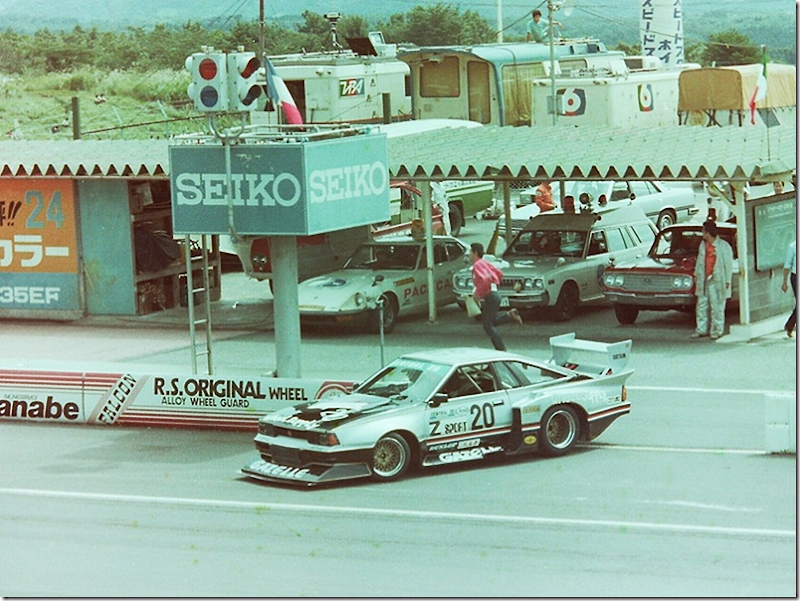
(482, 416)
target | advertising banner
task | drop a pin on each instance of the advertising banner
(38, 245)
(292, 188)
(126, 399)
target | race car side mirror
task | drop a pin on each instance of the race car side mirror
(378, 279)
(437, 399)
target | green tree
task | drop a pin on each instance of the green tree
(440, 24)
(729, 47)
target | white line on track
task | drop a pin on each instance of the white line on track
(406, 513)
(711, 390)
(623, 447)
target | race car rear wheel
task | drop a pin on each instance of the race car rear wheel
(560, 430)
(391, 457)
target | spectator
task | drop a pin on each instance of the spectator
(538, 27)
(790, 274)
(486, 278)
(713, 273)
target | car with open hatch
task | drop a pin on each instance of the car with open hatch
(664, 279)
(556, 262)
(384, 278)
(444, 406)
(663, 203)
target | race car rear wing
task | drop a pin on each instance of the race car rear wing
(589, 357)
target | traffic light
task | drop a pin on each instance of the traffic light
(209, 84)
(244, 86)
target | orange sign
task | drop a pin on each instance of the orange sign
(37, 226)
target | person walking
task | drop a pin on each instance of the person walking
(790, 274)
(486, 277)
(713, 274)
(538, 27)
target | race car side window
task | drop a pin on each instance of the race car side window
(528, 374)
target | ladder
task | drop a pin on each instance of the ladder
(205, 290)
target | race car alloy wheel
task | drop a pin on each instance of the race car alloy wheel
(390, 457)
(626, 314)
(560, 429)
(566, 303)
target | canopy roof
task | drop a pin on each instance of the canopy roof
(730, 88)
(493, 153)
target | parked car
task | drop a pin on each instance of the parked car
(444, 406)
(558, 258)
(391, 271)
(664, 280)
(662, 203)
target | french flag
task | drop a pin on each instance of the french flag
(280, 95)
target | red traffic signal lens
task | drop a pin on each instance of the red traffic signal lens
(207, 69)
(251, 67)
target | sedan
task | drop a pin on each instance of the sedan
(663, 204)
(446, 406)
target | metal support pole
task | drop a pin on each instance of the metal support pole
(76, 118)
(552, 60)
(287, 317)
(740, 210)
(386, 98)
(383, 341)
(428, 218)
(507, 211)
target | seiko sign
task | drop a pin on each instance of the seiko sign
(272, 189)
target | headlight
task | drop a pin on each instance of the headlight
(614, 280)
(533, 284)
(684, 282)
(325, 439)
(462, 282)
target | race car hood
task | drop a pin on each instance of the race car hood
(329, 412)
(334, 289)
(666, 265)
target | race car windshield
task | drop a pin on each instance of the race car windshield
(384, 256)
(548, 243)
(404, 379)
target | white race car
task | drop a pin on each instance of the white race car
(391, 272)
(448, 405)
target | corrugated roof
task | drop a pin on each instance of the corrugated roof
(500, 153)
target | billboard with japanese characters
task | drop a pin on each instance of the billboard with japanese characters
(293, 188)
(38, 245)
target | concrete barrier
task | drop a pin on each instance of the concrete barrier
(780, 417)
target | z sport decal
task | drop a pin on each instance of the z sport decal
(482, 416)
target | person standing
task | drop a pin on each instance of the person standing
(543, 197)
(790, 274)
(538, 27)
(486, 278)
(713, 274)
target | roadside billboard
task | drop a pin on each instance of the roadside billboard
(38, 245)
(280, 188)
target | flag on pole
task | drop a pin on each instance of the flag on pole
(280, 95)
(761, 88)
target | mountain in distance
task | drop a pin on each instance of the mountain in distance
(30, 15)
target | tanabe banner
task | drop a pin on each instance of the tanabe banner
(300, 188)
(153, 400)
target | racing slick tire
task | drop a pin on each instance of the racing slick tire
(390, 311)
(456, 219)
(391, 457)
(566, 303)
(626, 314)
(560, 431)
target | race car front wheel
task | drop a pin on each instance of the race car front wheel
(390, 457)
(560, 430)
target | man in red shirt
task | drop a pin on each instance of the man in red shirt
(713, 274)
(486, 278)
